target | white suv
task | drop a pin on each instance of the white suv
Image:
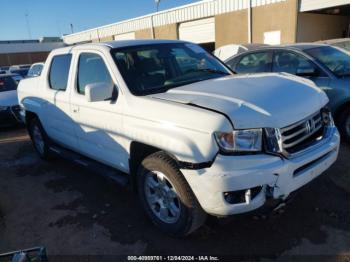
(194, 138)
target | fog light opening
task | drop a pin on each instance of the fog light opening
(242, 196)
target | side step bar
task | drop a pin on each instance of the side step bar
(120, 178)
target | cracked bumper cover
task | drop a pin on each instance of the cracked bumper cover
(281, 176)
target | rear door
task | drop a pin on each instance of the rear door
(56, 108)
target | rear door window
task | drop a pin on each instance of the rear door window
(59, 71)
(254, 63)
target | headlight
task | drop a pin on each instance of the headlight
(249, 140)
(273, 139)
(3, 108)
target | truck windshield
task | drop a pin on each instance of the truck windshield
(7, 84)
(150, 69)
(334, 59)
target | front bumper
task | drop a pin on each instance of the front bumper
(274, 176)
(10, 116)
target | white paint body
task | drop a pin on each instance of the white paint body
(104, 131)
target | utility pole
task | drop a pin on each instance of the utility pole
(72, 28)
(157, 4)
(28, 25)
(250, 22)
(152, 23)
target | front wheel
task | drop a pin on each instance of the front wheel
(344, 125)
(166, 196)
(39, 138)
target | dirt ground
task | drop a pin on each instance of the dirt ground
(72, 211)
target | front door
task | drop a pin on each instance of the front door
(296, 64)
(98, 124)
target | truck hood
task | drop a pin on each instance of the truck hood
(8, 98)
(254, 101)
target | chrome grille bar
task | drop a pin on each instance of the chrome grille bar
(294, 135)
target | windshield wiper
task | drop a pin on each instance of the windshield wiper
(182, 83)
(212, 71)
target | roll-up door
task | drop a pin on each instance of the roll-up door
(198, 31)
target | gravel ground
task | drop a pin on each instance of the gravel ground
(72, 211)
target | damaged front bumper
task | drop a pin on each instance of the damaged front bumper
(240, 184)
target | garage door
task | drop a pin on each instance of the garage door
(199, 31)
(126, 36)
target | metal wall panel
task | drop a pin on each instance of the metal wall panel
(198, 10)
(310, 5)
(13, 48)
(125, 36)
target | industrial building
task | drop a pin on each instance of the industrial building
(214, 23)
(16, 52)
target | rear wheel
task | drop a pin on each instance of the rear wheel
(344, 125)
(166, 196)
(39, 138)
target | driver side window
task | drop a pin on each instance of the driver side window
(292, 63)
(92, 69)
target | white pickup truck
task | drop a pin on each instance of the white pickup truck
(194, 138)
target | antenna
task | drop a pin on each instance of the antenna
(72, 28)
(28, 25)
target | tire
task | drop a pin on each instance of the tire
(183, 213)
(39, 139)
(344, 125)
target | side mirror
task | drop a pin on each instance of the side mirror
(98, 92)
(304, 72)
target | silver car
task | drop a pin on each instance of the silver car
(327, 66)
(342, 43)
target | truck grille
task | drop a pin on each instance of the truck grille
(300, 135)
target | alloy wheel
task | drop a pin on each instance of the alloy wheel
(162, 197)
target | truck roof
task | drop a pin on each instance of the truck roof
(127, 43)
(115, 44)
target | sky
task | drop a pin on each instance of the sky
(32, 19)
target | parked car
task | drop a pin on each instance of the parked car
(342, 43)
(4, 68)
(19, 70)
(16, 77)
(227, 51)
(194, 140)
(9, 108)
(35, 69)
(328, 67)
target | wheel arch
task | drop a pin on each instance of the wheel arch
(138, 152)
(30, 116)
